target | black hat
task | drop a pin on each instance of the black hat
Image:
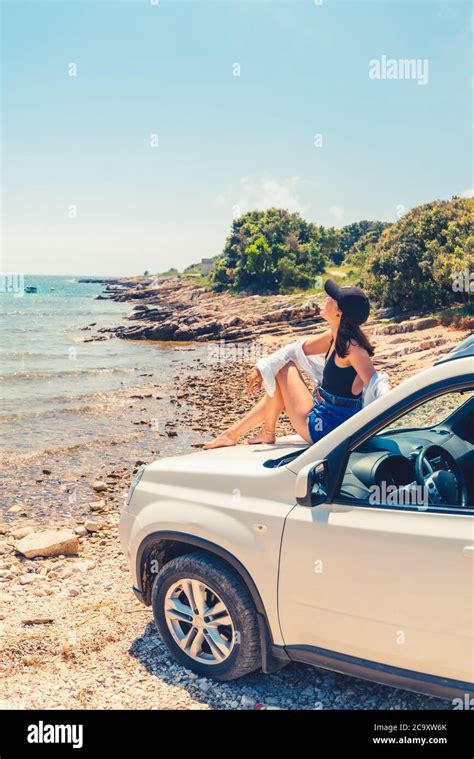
(351, 301)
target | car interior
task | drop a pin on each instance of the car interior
(401, 457)
(436, 457)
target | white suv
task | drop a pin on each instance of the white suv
(354, 554)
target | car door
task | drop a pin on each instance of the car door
(381, 583)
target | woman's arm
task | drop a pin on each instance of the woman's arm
(361, 362)
(318, 344)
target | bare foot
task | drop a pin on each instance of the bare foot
(262, 437)
(220, 442)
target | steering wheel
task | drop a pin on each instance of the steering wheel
(444, 486)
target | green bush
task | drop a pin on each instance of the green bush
(415, 261)
(354, 239)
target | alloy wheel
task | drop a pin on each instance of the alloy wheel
(199, 621)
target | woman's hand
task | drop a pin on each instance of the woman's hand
(254, 382)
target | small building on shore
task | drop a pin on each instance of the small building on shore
(207, 265)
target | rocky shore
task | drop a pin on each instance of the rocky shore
(179, 310)
(73, 635)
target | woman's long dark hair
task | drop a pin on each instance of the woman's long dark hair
(348, 333)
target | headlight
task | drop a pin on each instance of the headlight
(134, 484)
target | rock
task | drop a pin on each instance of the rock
(184, 333)
(203, 685)
(37, 621)
(5, 548)
(92, 525)
(22, 532)
(80, 531)
(82, 566)
(48, 543)
(29, 578)
(99, 486)
(424, 323)
(246, 702)
(15, 509)
(3, 528)
(411, 325)
(30, 661)
(46, 471)
(426, 344)
(165, 331)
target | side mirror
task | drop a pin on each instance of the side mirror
(311, 484)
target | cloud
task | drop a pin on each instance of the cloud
(468, 193)
(267, 192)
(336, 212)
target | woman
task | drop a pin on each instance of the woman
(348, 369)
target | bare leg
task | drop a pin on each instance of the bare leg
(252, 419)
(266, 410)
(297, 399)
(274, 407)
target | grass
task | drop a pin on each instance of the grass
(188, 277)
(196, 279)
(344, 275)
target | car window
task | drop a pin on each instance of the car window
(431, 413)
(389, 469)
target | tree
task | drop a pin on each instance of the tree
(354, 238)
(272, 250)
(318, 260)
(256, 269)
(414, 263)
(292, 276)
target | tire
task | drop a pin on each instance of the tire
(215, 585)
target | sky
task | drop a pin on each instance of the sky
(134, 132)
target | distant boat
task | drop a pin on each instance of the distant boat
(31, 289)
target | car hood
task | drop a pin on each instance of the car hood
(231, 458)
(207, 476)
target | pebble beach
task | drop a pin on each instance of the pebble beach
(72, 633)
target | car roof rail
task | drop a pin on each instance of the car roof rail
(465, 348)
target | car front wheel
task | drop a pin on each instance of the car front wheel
(206, 617)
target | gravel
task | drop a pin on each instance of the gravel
(91, 644)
